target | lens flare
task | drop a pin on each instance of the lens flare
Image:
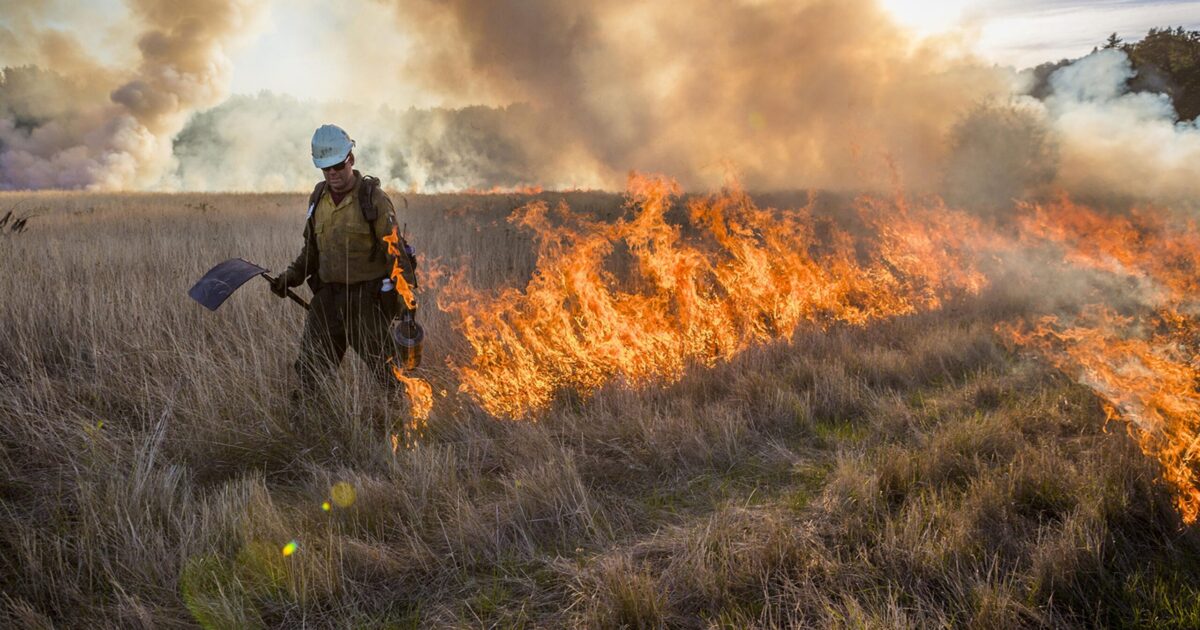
(343, 494)
(290, 548)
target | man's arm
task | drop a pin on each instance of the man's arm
(306, 263)
(304, 266)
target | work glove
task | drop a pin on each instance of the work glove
(390, 300)
(285, 281)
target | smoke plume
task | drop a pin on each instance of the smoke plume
(1118, 142)
(808, 93)
(261, 143)
(69, 121)
(1000, 152)
(788, 93)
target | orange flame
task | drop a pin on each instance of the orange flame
(1149, 382)
(1145, 366)
(641, 299)
(420, 396)
(397, 275)
(419, 392)
(748, 276)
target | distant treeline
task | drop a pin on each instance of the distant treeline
(1167, 60)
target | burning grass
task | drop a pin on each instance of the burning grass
(899, 465)
(745, 277)
(1144, 363)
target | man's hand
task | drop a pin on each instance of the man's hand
(284, 281)
(391, 301)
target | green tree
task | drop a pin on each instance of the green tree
(1168, 60)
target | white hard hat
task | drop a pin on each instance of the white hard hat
(330, 145)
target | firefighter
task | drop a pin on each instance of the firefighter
(346, 263)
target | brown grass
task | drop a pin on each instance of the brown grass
(910, 474)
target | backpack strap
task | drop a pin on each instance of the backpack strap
(314, 279)
(366, 203)
(313, 199)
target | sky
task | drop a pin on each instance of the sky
(1025, 33)
(1022, 33)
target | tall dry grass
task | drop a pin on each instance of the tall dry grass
(910, 474)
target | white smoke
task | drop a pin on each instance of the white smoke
(260, 143)
(70, 121)
(1113, 141)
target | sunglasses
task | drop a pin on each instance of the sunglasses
(336, 167)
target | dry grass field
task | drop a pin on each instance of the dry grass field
(918, 471)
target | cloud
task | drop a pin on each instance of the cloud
(1026, 33)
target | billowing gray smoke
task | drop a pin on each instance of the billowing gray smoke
(786, 93)
(809, 93)
(71, 121)
(999, 152)
(790, 92)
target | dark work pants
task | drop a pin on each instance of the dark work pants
(341, 316)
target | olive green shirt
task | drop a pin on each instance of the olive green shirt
(338, 242)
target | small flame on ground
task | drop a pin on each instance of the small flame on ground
(419, 392)
(420, 397)
(532, 189)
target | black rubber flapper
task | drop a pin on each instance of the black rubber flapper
(221, 281)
